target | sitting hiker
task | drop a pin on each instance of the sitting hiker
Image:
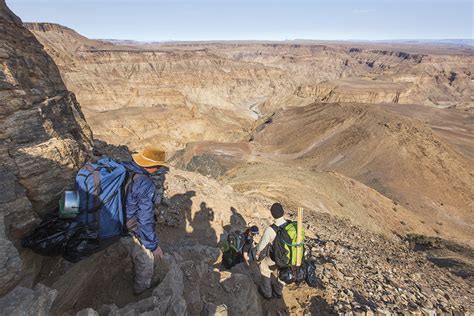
(270, 284)
(141, 194)
(239, 247)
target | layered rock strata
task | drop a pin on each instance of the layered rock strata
(171, 94)
(44, 136)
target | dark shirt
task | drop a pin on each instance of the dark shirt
(249, 247)
(248, 244)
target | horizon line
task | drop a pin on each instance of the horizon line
(437, 41)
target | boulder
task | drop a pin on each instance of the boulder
(103, 278)
(10, 263)
(241, 294)
(211, 309)
(171, 290)
(87, 312)
(25, 302)
(167, 299)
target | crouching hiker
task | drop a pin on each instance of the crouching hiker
(141, 194)
(271, 285)
(239, 247)
(249, 252)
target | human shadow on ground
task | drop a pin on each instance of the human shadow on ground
(202, 229)
(107, 276)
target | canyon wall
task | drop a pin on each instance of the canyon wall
(44, 138)
(219, 89)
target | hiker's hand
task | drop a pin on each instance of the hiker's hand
(158, 253)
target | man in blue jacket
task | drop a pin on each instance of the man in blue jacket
(141, 194)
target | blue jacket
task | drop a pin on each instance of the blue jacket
(140, 199)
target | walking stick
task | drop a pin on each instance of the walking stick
(299, 236)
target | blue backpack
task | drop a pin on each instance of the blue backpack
(101, 188)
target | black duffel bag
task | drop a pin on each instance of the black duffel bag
(293, 274)
(306, 272)
(311, 278)
(67, 237)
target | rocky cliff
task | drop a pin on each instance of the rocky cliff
(437, 78)
(44, 137)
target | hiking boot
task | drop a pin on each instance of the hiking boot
(266, 288)
(277, 288)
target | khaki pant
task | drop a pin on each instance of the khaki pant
(270, 283)
(143, 263)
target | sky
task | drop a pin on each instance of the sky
(164, 20)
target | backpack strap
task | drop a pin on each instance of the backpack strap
(129, 181)
(91, 170)
(130, 178)
(96, 180)
(96, 203)
(275, 228)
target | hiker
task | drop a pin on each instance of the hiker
(239, 247)
(271, 285)
(141, 194)
(248, 250)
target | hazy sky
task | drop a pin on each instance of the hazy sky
(159, 20)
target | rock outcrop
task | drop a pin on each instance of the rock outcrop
(10, 263)
(44, 136)
(355, 90)
(24, 301)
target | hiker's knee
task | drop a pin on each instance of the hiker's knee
(143, 257)
(144, 267)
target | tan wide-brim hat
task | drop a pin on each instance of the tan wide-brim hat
(150, 157)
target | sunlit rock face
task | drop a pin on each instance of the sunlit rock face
(176, 93)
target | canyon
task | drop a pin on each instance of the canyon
(375, 141)
(217, 90)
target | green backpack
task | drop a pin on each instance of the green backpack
(284, 246)
(232, 249)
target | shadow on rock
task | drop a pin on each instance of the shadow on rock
(319, 306)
